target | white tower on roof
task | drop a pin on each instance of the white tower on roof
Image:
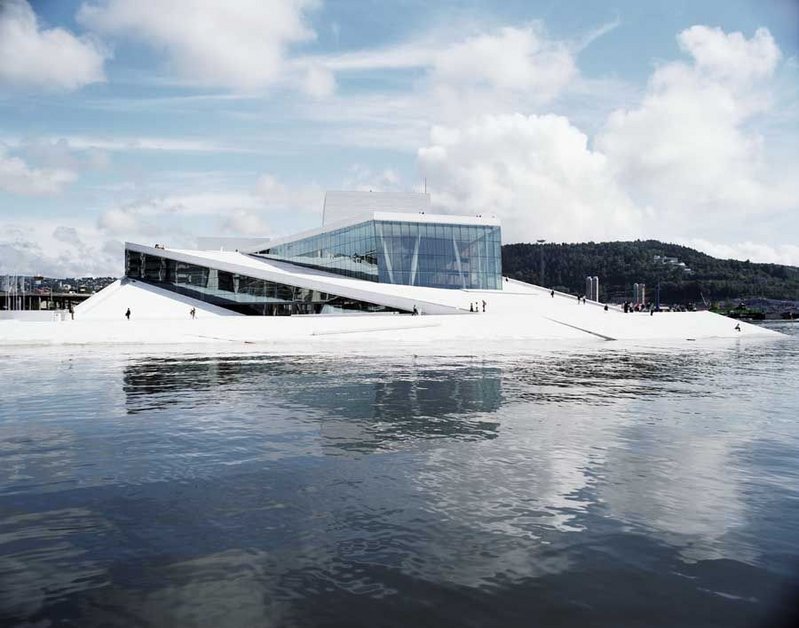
(343, 205)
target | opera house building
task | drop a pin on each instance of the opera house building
(375, 262)
(301, 274)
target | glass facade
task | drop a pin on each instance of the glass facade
(240, 293)
(350, 252)
(406, 253)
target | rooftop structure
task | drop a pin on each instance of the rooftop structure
(434, 251)
(343, 205)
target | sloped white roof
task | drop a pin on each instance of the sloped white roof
(431, 300)
(146, 302)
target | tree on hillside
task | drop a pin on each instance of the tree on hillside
(619, 265)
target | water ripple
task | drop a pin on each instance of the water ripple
(569, 484)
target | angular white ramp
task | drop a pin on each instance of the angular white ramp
(146, 302)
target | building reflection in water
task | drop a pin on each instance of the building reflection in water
(340, 473)
(359, 406)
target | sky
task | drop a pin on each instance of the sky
(157, 121)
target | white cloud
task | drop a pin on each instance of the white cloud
(17, 177)
(48, 58)
(245, 223)
(535, 172)
(513, 59)
(787, 254)
(61, 154)
(121, 143)
(178, 217)
(416, 54)
(687, 160)
(731, 57)
(398, 122)
(277, 196)
(65, 234)
(168, 216)
(450, 76)
(317, 81)
(118, 220)
(365, 179)
(240, 45)
(688, 149)
(35, 247)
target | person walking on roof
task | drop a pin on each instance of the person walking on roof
(192, 313)
(127, 314)
(484, 305)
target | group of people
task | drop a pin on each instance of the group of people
(192, 313)
(639, 307)
(475, 307)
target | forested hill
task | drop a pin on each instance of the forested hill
(685, 275)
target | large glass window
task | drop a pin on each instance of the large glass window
(402, 252)
(349, 252)
(240, 293)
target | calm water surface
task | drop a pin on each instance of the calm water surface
(608, 485)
